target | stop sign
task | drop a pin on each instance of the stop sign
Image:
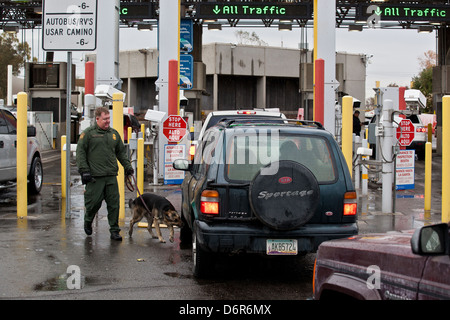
(174, 128)
(405, 132)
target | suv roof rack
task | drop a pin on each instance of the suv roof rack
(307, 123)
(265, 121)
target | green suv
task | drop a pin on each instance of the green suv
(268, 188)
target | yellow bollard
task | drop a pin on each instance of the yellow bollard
(21, 151)
(347, 131)
(140, 166)
(430, 132)
(445, 159)
(63, 167)
(428, 150)
(129, 130)
(118, 125)
(143, 129)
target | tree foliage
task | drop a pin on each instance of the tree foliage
(12, 52)
(245, 37)
(424, 81)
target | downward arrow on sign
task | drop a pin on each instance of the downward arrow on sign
(216, 10)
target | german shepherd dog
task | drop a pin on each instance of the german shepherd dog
(161, 211)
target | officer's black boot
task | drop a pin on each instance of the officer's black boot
(116, 236)
(88, 228)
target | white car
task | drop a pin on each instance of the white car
(8, 154)
(215, 117)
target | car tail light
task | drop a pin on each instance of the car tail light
(350, 204)
(209, 202)
(246, 112)
(421, 129)
(192, 151)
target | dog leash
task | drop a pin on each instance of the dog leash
(130, 187)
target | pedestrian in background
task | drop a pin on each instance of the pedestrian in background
(356, 123)
(98, 150)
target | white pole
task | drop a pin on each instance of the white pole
(9, 100)
(169, 49)
(325, 48)
(365, 176)
(386, 157)
(107, 64)
(356, 144)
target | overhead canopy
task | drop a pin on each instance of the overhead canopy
(392, 14)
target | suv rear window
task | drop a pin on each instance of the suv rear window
(247, 153)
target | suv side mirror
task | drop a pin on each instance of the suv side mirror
(431, 240)
(31, 131)
(181, 164)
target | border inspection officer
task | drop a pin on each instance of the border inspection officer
(98, 150)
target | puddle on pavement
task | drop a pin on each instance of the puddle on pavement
(178, 275)
(57, 284)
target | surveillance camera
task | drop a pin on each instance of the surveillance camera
(364, 151)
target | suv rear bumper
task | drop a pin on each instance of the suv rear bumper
(236, 237)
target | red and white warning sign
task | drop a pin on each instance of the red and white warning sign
(405, 132)
(174, 128)
(405, 170)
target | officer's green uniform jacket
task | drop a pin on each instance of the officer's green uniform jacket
(98, 151)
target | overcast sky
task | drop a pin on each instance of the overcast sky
(395, 52)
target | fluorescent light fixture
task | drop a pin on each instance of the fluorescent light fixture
(11, 29)
(285, 27)
(214, 26)
(145, 27)
(355, 27)
(425, 29)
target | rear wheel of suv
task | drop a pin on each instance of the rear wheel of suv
(285, 198)
(202, 260)
(36, 176)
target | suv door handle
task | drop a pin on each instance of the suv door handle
(2, 144)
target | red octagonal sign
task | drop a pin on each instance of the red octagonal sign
(405, 132)
(174, 128)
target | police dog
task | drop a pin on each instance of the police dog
(160, 210)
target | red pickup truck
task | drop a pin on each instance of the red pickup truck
(411, 265)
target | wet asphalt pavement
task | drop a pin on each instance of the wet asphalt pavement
(39, 253)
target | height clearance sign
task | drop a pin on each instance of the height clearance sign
(69, 25)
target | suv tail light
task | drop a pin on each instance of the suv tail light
(314, 277)
(192, 151)
(209, 202)
(350, 203)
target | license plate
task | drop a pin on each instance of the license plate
(281, 247)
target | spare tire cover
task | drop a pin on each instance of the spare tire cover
(286, 199)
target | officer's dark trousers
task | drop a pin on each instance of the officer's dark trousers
(103, 188)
